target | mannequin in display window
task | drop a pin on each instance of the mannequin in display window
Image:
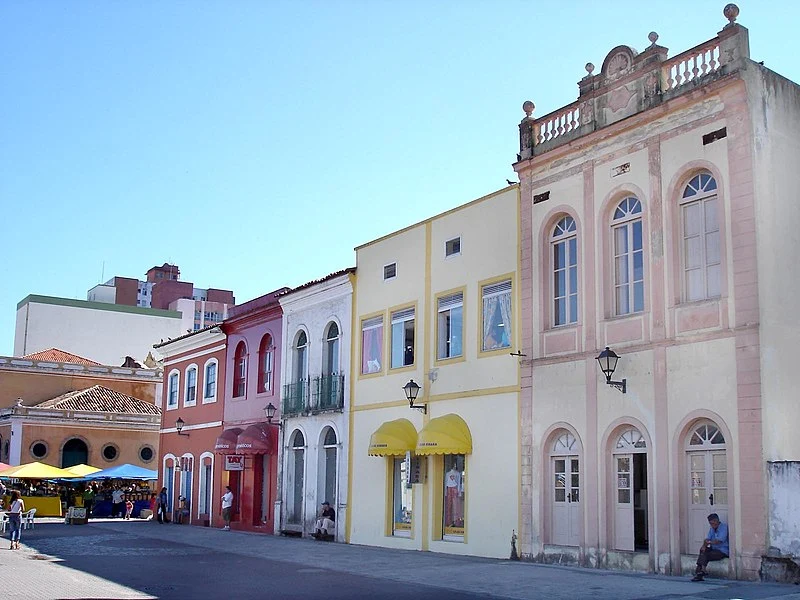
(453, 493)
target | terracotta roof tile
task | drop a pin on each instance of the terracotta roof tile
(101, 399)
(56, 355)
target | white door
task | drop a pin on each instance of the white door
(708, 493)
(623, 518)
(566, 524)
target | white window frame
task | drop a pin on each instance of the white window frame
(329, 341)
(186, 401)
(201, 488)
(368, 324)
(627, 222)
(564, 232)
(440, 314)
(213, 397)
(300, 364)
(402, 315)
(700, 195)
(177, 374)
(450, 241)
(491, 290)
(391, 277)
(268, 376)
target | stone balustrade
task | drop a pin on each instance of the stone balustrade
(689, 66)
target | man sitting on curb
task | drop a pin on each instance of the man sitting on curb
(326, 524)
(715, 547)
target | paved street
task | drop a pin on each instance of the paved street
(144, 560)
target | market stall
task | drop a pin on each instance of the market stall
(133, 481)
(36, 481)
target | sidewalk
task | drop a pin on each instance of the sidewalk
(499, 578)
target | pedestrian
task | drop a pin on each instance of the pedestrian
(88, 499)
(715, 546)
(128, 508)
(15, 518)
(227, 507)
(153, 506)
(162, 506)
(117, 504)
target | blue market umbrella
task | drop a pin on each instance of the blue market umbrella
(123, 472)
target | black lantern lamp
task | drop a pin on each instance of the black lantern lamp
(269, 412)
(179, 427)
(608, 364)
(412, 391)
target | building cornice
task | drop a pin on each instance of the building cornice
(123, 308)
(24, 365)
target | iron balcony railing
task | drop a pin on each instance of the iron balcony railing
(312, 395)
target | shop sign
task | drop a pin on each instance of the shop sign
(414, 469)
(234, 462)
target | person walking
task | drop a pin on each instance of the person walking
(15, 518)
(88, 499)
(162, 506)
(227, 507)
(117, 502)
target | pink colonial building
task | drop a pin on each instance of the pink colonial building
(659, 218)
(248, 446)
(191, 421)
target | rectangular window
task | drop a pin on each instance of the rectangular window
(452, 247)
(390, 271)
(496, 316)
(701, 250)
(565, 281)
(454, 485)
(372, 345)
(173, 390)
(211, 380)
(240, 377)
(191, 386)
(628, 268)
(450, 326)
(401, 497)
(403, 338)
(266, 371)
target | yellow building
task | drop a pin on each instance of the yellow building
(437, 304)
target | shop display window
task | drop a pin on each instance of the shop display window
(402, 503)
(454, 497)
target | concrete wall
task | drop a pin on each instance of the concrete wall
(105, 333)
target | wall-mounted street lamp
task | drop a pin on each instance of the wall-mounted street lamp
(412, 391)
(269, 412)
(608, 364)
(179, 427)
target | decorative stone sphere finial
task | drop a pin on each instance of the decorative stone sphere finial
(653, 37)
(589, 68)
(528, 107)
(731, 11)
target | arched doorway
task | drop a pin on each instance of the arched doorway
(565, 490)
(74, 452)
(327, 466)
(295, 479)
(707, 463)
(630, 485)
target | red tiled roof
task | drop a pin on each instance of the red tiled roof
(56, 355)
(101, 399)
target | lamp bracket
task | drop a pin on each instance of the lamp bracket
(423, 408)
(622, 386)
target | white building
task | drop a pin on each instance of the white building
(103, 332)
(316, 396)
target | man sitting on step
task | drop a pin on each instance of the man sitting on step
(326, 524)
(715, 546)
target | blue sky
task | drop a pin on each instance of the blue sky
(255, 144)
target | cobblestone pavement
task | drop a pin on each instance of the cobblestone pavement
(134, 559)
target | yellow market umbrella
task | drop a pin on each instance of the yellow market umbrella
(36, 470)
(82, 470)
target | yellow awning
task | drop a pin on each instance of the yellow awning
(36, 470)
(445, 435)
(393, 438)
(82, 470)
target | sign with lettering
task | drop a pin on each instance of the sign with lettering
(234, 462)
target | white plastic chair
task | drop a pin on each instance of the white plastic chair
(3, 522)
(27, 519)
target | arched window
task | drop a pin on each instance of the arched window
(265, 364)
(631, 440)
(301, 357)
(172, 389)
(564, 243)
(210, 381)
(626, 228)
(327, 467)
(700, 246)
(331, 366)
(190, 397)
(240, 370)
(295, 475)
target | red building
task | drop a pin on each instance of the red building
(248, 447)
(191, 421)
